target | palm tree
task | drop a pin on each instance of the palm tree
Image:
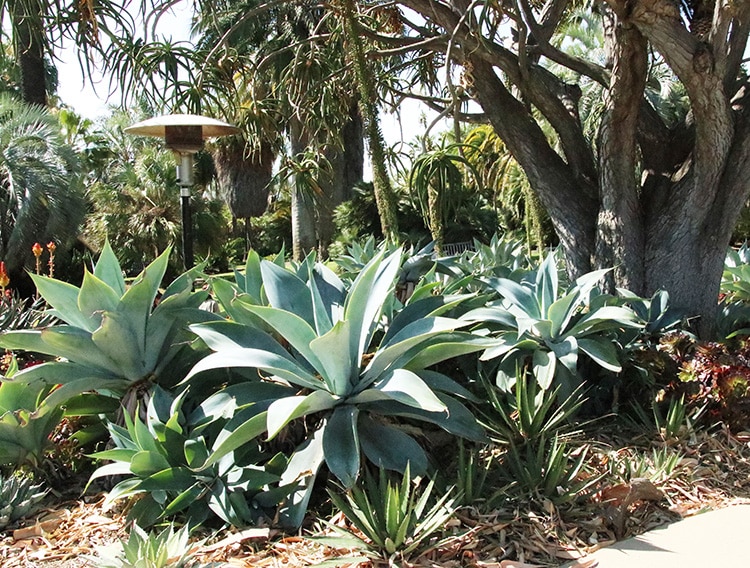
(42, 197)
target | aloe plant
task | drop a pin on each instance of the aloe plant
(115, 339)
(163, 459)
(344, 362)
(538, 322)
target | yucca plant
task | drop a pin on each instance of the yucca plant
(168, 548)
(535, 321)
(398, 519)
(164, 460)
(19, 498)
(115, 339)
(341, 361)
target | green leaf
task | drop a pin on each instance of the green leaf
(283, 367)
(169, 479)
(117, 340)
(303, 469)
(402, 386)
(287, 292)
(284, 410)
(108, 270)
(96, 297)
(366, 298)
(220, 335)
(544, 364)
(390, 448)
(239, 435)
(76, 344)
(518, 295)
(146, 463)
(63, 297)
(547, 282)
(293, 329)
(341, 444)
(336, 362)
(602, 351)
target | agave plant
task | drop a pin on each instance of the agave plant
(114, 339)
(342, 361)
(19, 498)
(538, 321)
(397, 518)
(164, 460)
(168, 548)
(26, 421)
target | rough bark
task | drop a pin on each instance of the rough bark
(29, 48)
(244, 179)
(662, 200)
(347, 167)
(304, 238)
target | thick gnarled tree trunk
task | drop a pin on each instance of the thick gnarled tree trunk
(657, 201)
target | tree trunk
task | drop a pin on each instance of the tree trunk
(347, 166)
(304, 238)
(244, 180)
(29, 48)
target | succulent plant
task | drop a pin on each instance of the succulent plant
(19, 498)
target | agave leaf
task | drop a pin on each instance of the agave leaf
(440, 382)
(108, 270)
(293, 329)
(561, 311)
(390, 448)
(146, 463)
(365, 301)
(284, 410)
(96, 297)
(409, 337)
(230, 440)
(335, 361)
(544, 365)
(118, 341)
(220, 335)
(547, 282)
(186, 498)
(443, 348)
(341, 444)
(519, 296)
(138, 301)
(169, 479)
(567, 353)
(610, 316)
(303, 469)
(602, 351)
(283, 367)
(402, 386)
(63, 297)
(76, 344)
(494, 314)
(286, 291)
(430, 306)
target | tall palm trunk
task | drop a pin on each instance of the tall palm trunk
(29, 49)
(304, 238)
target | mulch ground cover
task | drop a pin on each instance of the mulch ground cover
(713, 472)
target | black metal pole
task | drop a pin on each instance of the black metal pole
(187, 229)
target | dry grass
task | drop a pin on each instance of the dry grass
(713, 472)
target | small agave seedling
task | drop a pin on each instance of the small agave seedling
(19, 498)
(114, 339)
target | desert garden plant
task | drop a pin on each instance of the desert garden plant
(399, 519)
(346, 365)
(539, 322)
(116, 339)
(20, 497)
(164, 461)
(167, 548)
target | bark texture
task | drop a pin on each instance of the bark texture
(656, 199)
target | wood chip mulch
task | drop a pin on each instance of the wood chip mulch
(714, 472)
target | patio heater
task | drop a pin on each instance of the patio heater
(184, 134)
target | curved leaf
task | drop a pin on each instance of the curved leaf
(284, 410)
(341, 444)
(390, 448)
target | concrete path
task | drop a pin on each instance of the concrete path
(716, 539)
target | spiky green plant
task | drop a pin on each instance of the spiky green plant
(168, 548)
(19, 498)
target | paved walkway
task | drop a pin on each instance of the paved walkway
(716, 539)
